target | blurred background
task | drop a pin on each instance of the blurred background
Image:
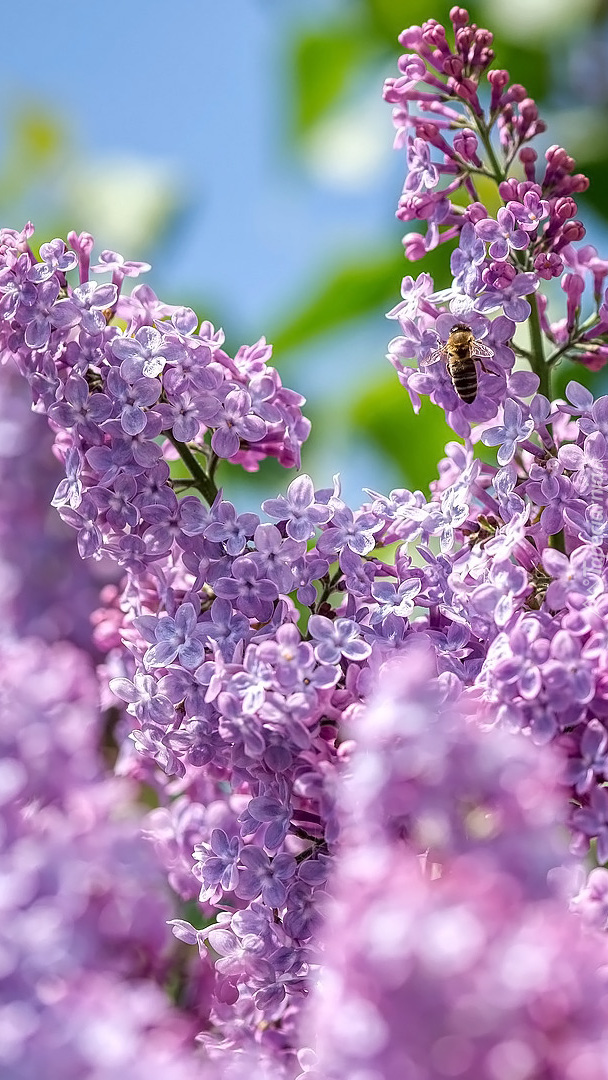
(245, 151)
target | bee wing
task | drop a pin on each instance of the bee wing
(434, 356)
(479, 348)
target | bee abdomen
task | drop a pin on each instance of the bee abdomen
(464, 381)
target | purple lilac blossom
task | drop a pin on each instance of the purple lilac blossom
(243, 711)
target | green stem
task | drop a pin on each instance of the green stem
(537, 359)
(487, 142)
(201, 481)
(329, 588)
(557, 541)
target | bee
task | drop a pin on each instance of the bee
(460, 352)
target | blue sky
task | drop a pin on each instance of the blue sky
(201, 89)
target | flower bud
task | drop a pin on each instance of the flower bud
(453, 67)
(572, 232)
(509, 189)
(459, 17)
(516, 93)
(564, 208)
(465, 144)
(476, 212)
(412, 66)
(414, 246)
(528, 158)
(411, 38)
(464, 40)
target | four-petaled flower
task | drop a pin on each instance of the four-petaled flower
(337, 638)
(302, 515)
(503, 233)
(510, 297)
(178, 638)
(514, 430)
(265, 875)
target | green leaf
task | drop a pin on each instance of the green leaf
(358, 287)
(415, 443)
(324, 61)
(566, 371)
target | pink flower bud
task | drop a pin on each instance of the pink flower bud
(464, 40)
(579, 182)
(465, 144)
(414, 246)
(412, 66)
(572, 232)
(453, 67)
(557, 157)
(573, 285)
(517, 93)
(411, 38)
(528, 159)
(528, 110)
(509, 189)
(564, 208)
(498, 78)
(476, 212)
(459, 17)
(83, 245)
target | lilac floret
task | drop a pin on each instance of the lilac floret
(265, 875)
(510, 298)
(81, 410)
(54, 256)
(507, 436)
(466, 259)
(252, 592)
(114, 262)
(234, 420)
(302, 515)
(218, 864)
(86, 305)
(144, 354)
(146, 701)
(277, 556)
(84, 519)
(231, 530)
(394, 600)
(134, 398)
(346, 529)
(530, 211)
(422, 173)
(504, 233)
(175, 638)
(45, 312)
(336, 639)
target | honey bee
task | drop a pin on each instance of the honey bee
(460, 352)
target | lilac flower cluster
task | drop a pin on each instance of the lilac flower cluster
(500, 262)
(241, 702)
(241, 652)
(466, 963)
